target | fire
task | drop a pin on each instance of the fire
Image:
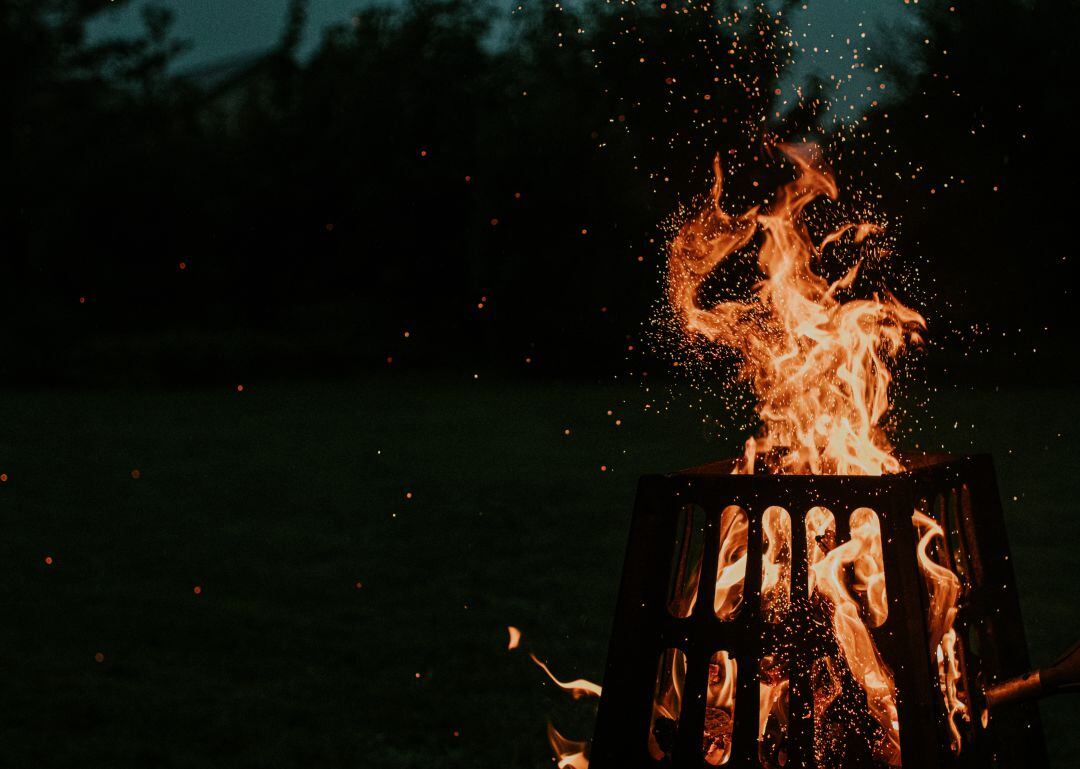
(667, 703)
(568, 753)
(773, 680)
(578, 688)
(943, 590)
(720, 709)
(818, 366)
(731, 569)
(773, 689)
(671, 676)
(820, 539)
(776, 564)
(862, 555)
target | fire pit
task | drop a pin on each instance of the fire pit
(726, 649)
(824, 600)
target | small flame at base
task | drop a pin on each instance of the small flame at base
(862, 554)
(568, 753)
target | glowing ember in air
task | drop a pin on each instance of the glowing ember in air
(515, 637)
(818, 366)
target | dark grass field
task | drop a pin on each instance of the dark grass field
(340, 622)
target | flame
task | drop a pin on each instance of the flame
(826, 685)
(863, 554)
(578, 688)
(776, 564)
(568, 753)
(817, 365)
(819, 368)
(687, 574)
(667, 702)
(731, 568)
(720, 709)
(773, 691)
(820, 539)
(943, 590)
(868, 569)
(773, 682)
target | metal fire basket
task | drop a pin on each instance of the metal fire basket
(959, 492)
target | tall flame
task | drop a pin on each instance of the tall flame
(943, 589)
(862, 554)
(817, 365)
(731, 567)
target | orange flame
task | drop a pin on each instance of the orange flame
(773, 681)
(568, 753)
(773, 693)
(731, 569)
(863, 554)
(578, 688)
(943, 589)
(667, 701)
(776, 564)
(720, 709)
(817, 365)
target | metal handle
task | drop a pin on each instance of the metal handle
(1063, 676)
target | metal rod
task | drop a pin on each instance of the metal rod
(1061, 677)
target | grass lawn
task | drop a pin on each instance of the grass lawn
(322, 574)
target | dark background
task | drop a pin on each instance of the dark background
(249, 307)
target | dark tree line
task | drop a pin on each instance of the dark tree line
(492, 186)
